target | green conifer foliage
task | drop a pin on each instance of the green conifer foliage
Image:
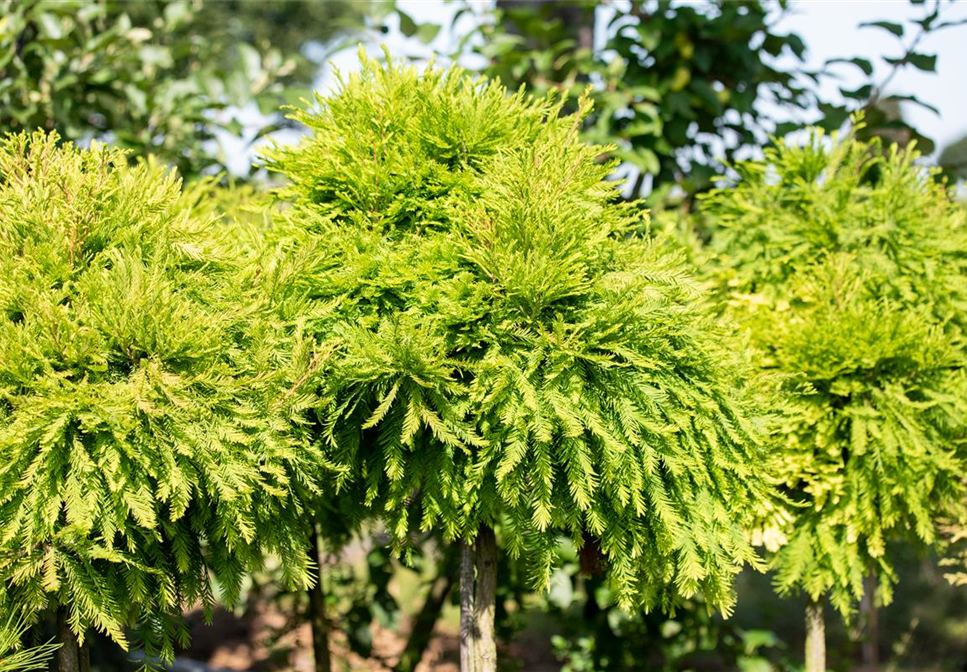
(16, 658)
(140, 458)
(500, 350)
(847, 265)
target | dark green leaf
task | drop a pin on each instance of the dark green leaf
(863, 64)
(925, 62)
(862, 93)
(407, 25)
(895, 28)
(915, 101)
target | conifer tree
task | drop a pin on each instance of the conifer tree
(502, 355)
(846, 263)
(140, 458)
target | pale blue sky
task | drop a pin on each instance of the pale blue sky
(829, 29)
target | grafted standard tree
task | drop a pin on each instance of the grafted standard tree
(140, 457)
(504, 360)
(846, 263)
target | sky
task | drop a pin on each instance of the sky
(830, 29)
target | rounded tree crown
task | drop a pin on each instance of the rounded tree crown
(501, 349)
(138, 456)
(846, 264)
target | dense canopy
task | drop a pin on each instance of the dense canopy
(496, 347)
(140, 459)
(846, 264)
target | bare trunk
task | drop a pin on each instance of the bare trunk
(815, 637)
(72, 656)
(478, 603)
(871, 626)
(467, 638)
(318, 620)
(485, 600)
(422, 630)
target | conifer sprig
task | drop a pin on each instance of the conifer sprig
(17, 658)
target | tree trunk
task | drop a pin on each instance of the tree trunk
(478, 603)
(871, 626)
(72, 656)
(815, 637)
(318, 620)
(485, 600)
(467, 637)
(436, 597)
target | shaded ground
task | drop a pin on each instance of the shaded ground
(250, 643)
(924, 630)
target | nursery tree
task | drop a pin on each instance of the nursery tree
(502, 355)
(846, 264)
(140, 458)
(285, 257)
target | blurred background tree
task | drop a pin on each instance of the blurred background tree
(680, 87)
(675, 85)
(292, 25)
(163, 77)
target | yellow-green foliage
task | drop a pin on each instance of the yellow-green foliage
(140, 456)
(495, 347)
(16, 658)
(846, 264)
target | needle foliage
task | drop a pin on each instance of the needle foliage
(499, 349)
(141, 460)
(846, 263)
(16, 658)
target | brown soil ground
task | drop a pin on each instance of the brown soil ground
(246, 643)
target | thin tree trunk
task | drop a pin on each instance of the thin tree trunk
(591, 610)
(318, 620)
(72, 656)
(467, 634)
(436, 597)
(485, 600)
(478, 603)
(871, 626)
(815, 637)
